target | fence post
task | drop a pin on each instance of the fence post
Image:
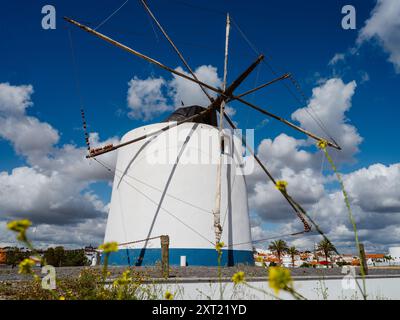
(363, 260)
(165, 256)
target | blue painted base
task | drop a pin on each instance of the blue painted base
(194, 257)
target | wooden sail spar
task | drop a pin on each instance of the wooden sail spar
(222, 95)
(217, 209)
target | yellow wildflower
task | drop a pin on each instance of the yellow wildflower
(281, 185)
(168, 295)
(219, 246)
(25, 266)
(322, 144)
(279, 278)
(124, 279)
(109, 247)
(19, 226)
(238, 277)
(61, 298)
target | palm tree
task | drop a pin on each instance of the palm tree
(388, 258)
(292, 251)
(327, 247)
(278, 246)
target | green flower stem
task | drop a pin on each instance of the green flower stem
(346, 199)
(262, 291)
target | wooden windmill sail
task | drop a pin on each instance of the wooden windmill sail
(224, 95)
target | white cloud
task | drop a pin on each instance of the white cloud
(384, 26)
(289, 159)
(373, 191)
(27, 134)
(336, 58)
(152, 97)
(14, 99)
(54, 187)
(146, 99)
(376, 189)
(305, 186)
(189, 92)
(54, 199)
(375, 206)
(330, 101)
(364, 76)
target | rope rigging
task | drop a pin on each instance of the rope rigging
(111, 15)
(225, 96)
(296, 84)
(155, 202)
(123, 174)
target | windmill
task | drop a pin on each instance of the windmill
(141, 191)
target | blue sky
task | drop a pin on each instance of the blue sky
(299, 37)
(300, 41)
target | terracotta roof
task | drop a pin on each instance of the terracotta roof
(375, 256)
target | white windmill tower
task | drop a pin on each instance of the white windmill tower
(184, 178)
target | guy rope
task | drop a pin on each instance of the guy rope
(224, 96)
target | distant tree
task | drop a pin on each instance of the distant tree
(326, 247)
(75, 258)
(50, 257)
(292, 251)
(305, 265)
(14, 256)
(343, 263)
(388, 258)
(278, 246)
(59, 256)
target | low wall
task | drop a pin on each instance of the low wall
(378, 288)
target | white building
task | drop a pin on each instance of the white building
(166, 185)
(394, 252)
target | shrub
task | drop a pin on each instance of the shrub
(305, 265)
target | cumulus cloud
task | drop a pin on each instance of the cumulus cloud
(152, 97)
(53, 189)
(372, 191)
(330, 101)
(336, 58)
(384, 26)
(52, 198)
(376, 189)
(146, 99)
(15, 99)
(189, 92)
(375, 206)
(19, 129)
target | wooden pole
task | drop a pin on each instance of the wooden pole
(292, 125)
(165, 256)
(292, 203)
(217, 209)
(285, 76)
(214, 104)
(363, 260)
(287, 197)
(140, 55)
(156, 132)
(175, 48)
(223, 95)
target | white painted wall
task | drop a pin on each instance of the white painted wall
(336, 289)
(394, 252)
(189, 192)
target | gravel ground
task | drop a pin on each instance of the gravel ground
(200, 273)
